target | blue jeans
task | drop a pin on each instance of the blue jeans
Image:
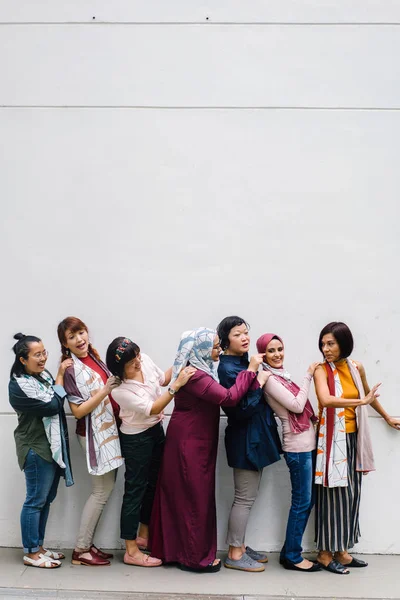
(301, 467)
(42, 480)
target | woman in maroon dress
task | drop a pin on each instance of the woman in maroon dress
(183, 526)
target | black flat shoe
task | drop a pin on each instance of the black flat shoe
(335, 567)
(292, 567)
(357, 563)
(209, 569)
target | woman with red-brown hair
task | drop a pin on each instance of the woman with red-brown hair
(88, 383)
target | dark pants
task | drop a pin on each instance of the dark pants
(142, 453)
(301, 467)
(42, 479)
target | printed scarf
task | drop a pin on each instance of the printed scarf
(43, 390)
(331, 464)
(103, 450)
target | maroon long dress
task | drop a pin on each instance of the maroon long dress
(183, 525)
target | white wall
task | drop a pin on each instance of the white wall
(160, 170)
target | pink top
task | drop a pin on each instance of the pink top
(281, 400)
(136, 398)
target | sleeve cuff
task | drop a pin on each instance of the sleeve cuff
(59, 390)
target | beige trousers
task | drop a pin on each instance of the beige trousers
(102, 486)
(247, 484)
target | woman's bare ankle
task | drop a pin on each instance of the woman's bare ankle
(132, 547)
(324, 557)
(235, 552)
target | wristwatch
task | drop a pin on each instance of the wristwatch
(171, 391)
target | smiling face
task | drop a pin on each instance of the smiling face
(239, 340)
(37, 358)
(77, 342)
(133, 368)
(275, 354)
(330, 348)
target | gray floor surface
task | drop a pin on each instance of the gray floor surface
(381, 579)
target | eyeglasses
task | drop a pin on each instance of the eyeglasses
(40, 355)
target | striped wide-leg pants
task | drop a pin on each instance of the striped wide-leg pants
(337, 509)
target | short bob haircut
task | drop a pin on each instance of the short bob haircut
(116, 361)
(224, 329)
(342, 335)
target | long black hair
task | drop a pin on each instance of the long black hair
(21, 350)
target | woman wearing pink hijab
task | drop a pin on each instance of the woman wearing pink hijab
(291, 405)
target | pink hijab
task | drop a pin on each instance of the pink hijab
(298, 422)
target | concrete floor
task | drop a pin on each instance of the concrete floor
(120, 582)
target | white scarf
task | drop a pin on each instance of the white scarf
(334, 472)
(34, 388)
(103, 450)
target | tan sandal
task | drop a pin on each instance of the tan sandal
(43, 562)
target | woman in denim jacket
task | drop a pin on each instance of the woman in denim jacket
(251, 442)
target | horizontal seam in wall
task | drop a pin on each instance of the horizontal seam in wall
(160, 107)
(224, 417)
(206, 23)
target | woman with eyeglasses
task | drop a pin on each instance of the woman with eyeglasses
(89, 385)
(142, 437)
(41, 439)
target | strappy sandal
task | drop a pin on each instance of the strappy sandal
(54, 555)
(211, 568)
(43, 562)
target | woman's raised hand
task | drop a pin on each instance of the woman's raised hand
(64, 366)
(255, 361)
(112, 383)
(184, 377)
(373, 395)
(312, 367)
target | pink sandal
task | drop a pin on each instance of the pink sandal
(142, 560)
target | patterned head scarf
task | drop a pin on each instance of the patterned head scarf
(195, 348)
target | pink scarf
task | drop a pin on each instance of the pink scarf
(298, 422)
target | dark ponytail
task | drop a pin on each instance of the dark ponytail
(21, 350)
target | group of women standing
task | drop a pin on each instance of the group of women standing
(168, 511)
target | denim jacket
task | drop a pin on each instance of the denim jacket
(251, 436)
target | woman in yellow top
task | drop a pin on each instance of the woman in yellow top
(344, 449)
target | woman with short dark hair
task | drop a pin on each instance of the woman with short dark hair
(344, 451)
(41, 439)
(251, 441)
(142, 438)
